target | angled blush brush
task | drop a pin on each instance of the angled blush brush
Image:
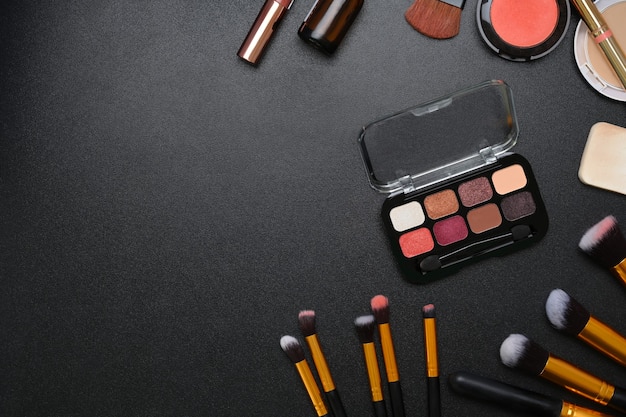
(438, 19)
(292, 348)
(380, 309)
(568, 315)
(365, 327)
(517, 351)
(515, 398)
(306, 322)
(605, 243)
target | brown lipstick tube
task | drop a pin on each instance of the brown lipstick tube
(262, 30)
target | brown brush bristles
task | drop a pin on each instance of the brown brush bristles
(434, 18)
(306, 322)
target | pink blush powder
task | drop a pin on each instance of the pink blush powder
(524, 23)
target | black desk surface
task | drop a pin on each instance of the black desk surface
(167, 210)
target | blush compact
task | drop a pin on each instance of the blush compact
(457, 193)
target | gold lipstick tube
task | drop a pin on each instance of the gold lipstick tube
(605, 339)
(603, 36)
(576, 380)
(262, 30)
(311, 387)
(373, 373)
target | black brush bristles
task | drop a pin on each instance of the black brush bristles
(292, 348)
(518, 351)
(306, 322)
(565, 313)
(365, 327)
(380, 308)
(605, 242)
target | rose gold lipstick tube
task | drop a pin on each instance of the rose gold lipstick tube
(261, 31)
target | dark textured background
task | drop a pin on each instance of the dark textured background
(167, 209)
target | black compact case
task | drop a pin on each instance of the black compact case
(457, 192)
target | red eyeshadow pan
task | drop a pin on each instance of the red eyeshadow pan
(450, 230)
(416, 242)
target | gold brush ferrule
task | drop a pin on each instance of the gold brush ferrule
(619, 271)
(430, 344)
(320, 363)
(373, 373)
(572, 410)
(311, 387)
(576, 380)
(605, 339)
(389, 354)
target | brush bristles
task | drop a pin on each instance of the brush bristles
(434, 18)
(565, 313)
(604, 242)
(306, 322)
(365, 327)
(292, 348)
(518, 351)
(428, 311)
(380, 308)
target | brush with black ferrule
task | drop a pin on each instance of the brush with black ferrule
(432, 360)
(294, 351)
(306, 321)
(515, 398)
(605, 243)
(517, 351)
(365, 327)
(568, 315)
(380, 309)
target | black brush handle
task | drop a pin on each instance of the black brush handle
(380, 410)
(434, 401)
(397, 404)
(336, 406)
(504, 394)
(618, 401)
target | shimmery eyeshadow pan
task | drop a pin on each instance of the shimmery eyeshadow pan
(518, 205)
(416, 242)
(441, 204)
(475, 191)
(450, 230)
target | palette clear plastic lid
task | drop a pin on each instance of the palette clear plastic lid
(440, 139)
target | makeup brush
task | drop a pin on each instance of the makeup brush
(294, 351)
(606, 244)
(365, 326)
(432, 360)
(515, 398)
(517, 351)
(306, 321)
(438, 19)
(568, 315)
(380, 309)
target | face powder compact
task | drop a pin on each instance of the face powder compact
(591, 61)
(522, 30)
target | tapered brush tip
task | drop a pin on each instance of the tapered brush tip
(565, 313)
(380, 308)
(306, 322)
(518, 351)
(605, 242)
(434, 18)
(365, 327)
(428, 311)
(292, 348)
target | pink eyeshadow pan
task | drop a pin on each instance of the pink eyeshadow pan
(475, 191)
(416, 242)
(450, 230)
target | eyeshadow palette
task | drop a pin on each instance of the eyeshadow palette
(485, 202)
